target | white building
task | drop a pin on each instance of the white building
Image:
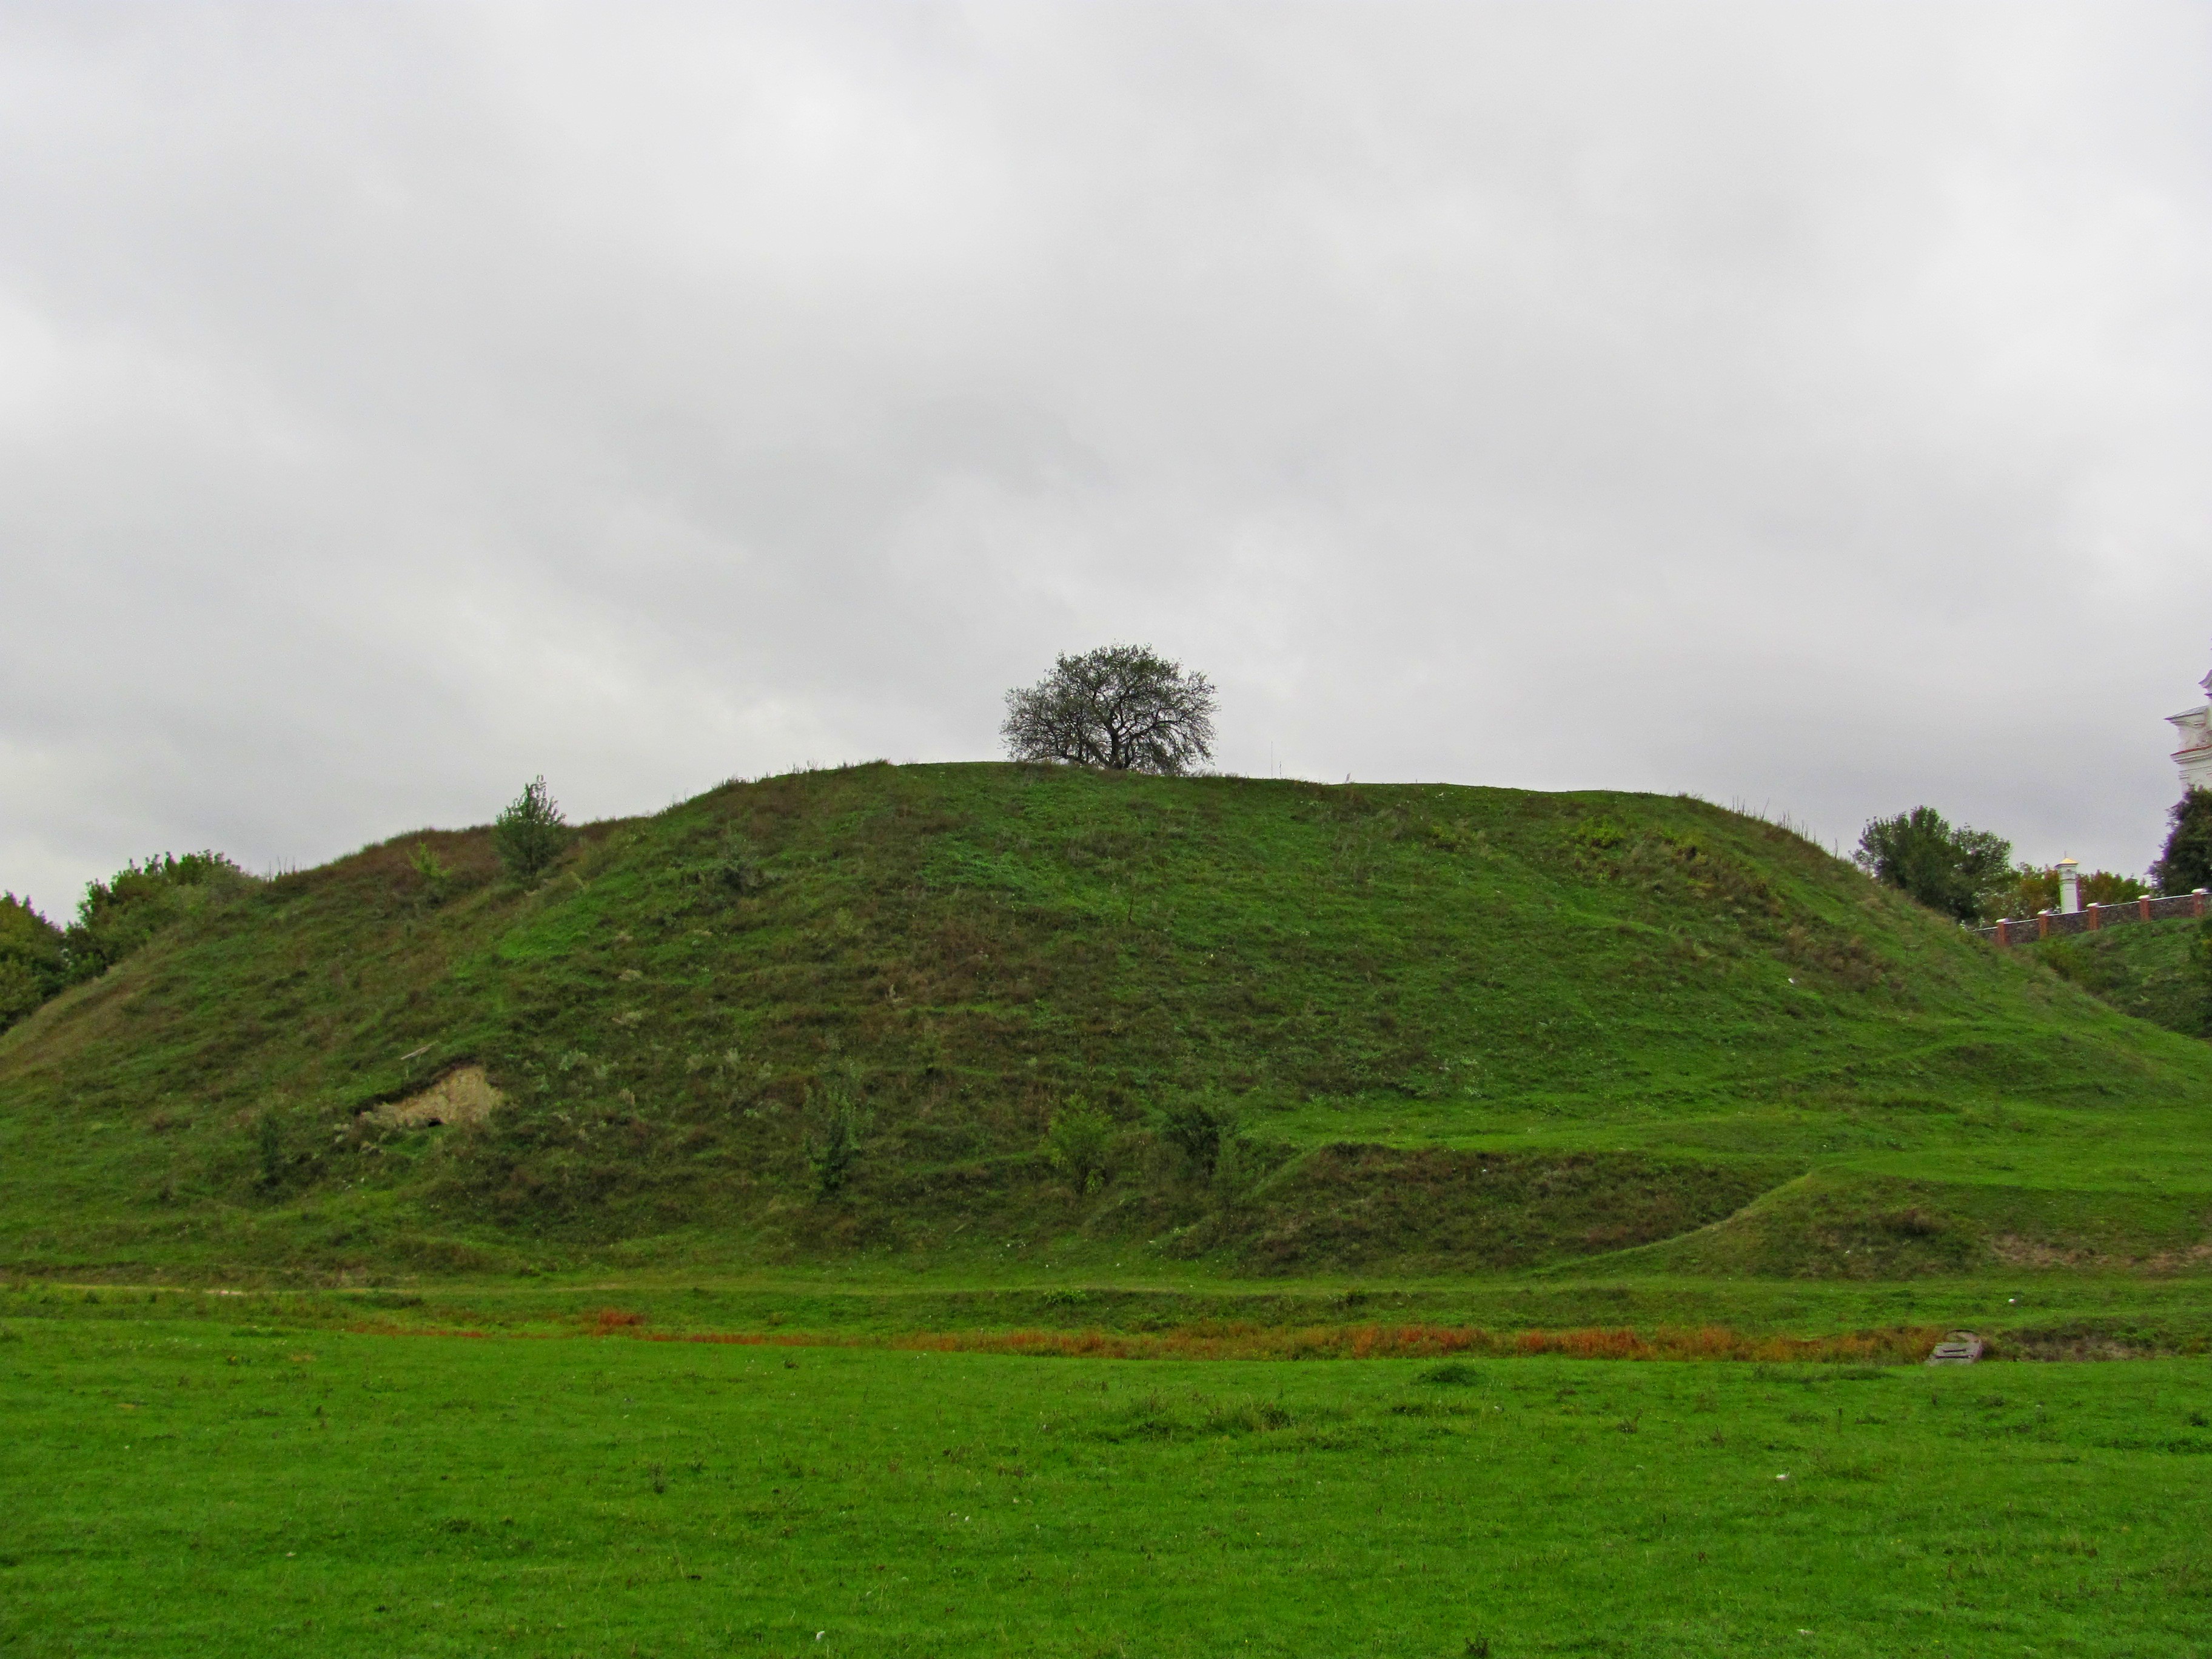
(2194, 758)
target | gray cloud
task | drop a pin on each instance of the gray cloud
(1804, 406)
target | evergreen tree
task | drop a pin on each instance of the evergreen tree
(2186, 863)
(531, 833)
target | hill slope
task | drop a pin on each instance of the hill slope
(1458, 1028)
(2149, 972)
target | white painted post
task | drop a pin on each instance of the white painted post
(2069, 886)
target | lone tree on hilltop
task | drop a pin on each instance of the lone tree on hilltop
(2186, 864)
(1957, 870)
(1122, 707)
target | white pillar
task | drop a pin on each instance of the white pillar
(2069, 886)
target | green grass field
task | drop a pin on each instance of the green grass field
(186, 1486)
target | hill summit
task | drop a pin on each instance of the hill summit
(998, 1015)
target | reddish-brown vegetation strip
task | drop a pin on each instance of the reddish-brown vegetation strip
(1225, 1341)
(1897, 1345)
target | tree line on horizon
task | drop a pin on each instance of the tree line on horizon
(1968, 874)
(39, 960)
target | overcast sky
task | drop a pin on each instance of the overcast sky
(1807, 406)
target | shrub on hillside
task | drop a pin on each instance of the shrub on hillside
(1076, 1143)
(2186, 863)
(836, 1127)
(33, 966)
(21, 993)
(117, 916)
(530, 832)
(1962, 872)
(1199, 1131)
(435, 875)
(268, 1152)
(739, 868)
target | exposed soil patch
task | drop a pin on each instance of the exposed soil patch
(463, 1096)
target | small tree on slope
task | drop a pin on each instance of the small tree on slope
(1122, 707)
(531, 833)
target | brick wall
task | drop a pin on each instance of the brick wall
(2093, 918)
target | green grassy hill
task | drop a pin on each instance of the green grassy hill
(1458, 1029)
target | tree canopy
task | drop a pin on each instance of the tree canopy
(32, 965)
(2186, 863)
(118, 916)
(1122, 707)
(114, 917)
(2034, 887)
(1960, 872)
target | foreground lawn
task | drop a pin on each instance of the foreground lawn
(183, 1489)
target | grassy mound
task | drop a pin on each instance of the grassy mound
(1449, 1028)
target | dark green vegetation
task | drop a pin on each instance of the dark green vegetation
(2156, 973)
(2186, 863)
(115, 918)
(1962, 873)
(1957, 871)
(121, 915)
(833, 1017)
(32, 965)
(2033, 890)
(187, 1486)
(1122, 707)
(528, 835)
